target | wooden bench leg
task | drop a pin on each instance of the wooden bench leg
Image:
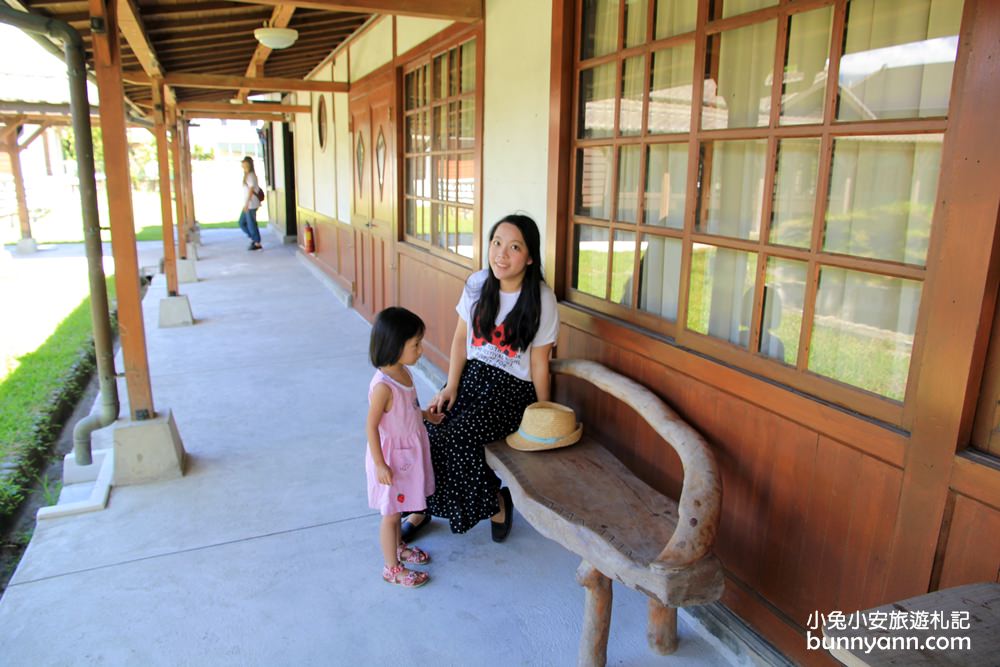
(596, 616)
(662, 631)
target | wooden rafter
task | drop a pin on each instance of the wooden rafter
(132, 28)
(34, 135)
(261, 115)
(464, 11)
(275, 84)
(281, 16)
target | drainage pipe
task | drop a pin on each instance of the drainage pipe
(99, 312)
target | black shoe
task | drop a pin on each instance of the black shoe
(255, 246)
(500, 531)
(409, 530)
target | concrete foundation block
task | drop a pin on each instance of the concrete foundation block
(192, 251)
(194, 236)
(187, 271)
(148, 451)
(27, 247)
(175, 311)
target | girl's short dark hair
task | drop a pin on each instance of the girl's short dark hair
(393, 327)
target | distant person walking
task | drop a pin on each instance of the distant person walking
(251, 202)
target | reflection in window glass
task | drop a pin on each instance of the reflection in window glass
(734, 172)
(622, 266)
(635, 22)
(418, 222)
(630, 114)
(863, 331)
(882, 194)
(795, 192)
(468, 67)
(660, 275)
(628, 183)
(717, 303)
(600, 28)
(898, 59)
(737, 89)
(597, 102)
(670, 86)
(465, 232)
(726, 8)
(666, 185)
(784, 296)
(674, 17)
(590, 263)
(593, 182)
(806, 61)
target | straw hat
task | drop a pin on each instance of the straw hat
(546, 425)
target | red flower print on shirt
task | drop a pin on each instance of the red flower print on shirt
(400, 498)
(496, 339)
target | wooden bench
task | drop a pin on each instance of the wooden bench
(588, 501)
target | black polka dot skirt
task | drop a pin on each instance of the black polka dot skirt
(489, 407)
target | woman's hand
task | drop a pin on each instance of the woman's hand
(384, 474)
(444, 400)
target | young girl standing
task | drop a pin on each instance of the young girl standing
(398, 461)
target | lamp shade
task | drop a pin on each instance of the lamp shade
(276, 38)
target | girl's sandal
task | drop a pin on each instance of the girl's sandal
(413, 555)
(409, 578)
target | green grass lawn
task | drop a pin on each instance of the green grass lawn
(29, 392)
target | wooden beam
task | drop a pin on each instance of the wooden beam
(281, 16)
(163, 161)
(11, 126)
(132, 28)
(271, 84)
(107, 67)
(37, 133)
(14, 152)
(248, 107)
(222, 115)
(463, 11)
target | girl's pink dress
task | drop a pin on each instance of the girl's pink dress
(406, 449)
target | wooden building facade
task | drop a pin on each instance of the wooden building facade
(779, 215)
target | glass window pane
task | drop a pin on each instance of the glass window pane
(717, 303)
(660, 275)
(467, 124)
(622, 266)
(738, 88)
(411, 217)
(469, 66)
(628, 183)
(590, 261)
(466, 178)
(453, 125)
(600, 28)
(417, 178)
(635, 22)
(439, 227)
(465, 230)
(781, 322)
(440, 128)
(454, 75)
(803, 88)
(412, 88)
(898, 59)
(674, 17)
(597, 101)
(593, 182)
(734, 172)
(441, 76)
(863, 331)
(726, 8)
(670, 86)
(666, 185)
(882, 194)
(630, 114)
(795, 192)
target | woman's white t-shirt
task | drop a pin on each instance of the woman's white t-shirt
(515, 362)
(250, 188)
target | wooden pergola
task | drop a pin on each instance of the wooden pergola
(171, 61)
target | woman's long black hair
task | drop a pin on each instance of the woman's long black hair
(521, 324)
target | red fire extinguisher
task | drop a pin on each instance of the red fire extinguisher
(308, 243)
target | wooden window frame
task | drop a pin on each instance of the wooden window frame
(413, 60)
(798, 376)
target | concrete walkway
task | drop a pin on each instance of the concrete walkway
(266, 553)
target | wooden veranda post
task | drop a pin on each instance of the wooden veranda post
(14, 152)
(186, 173)
(179, 191)
(107, 67)
(163, 160)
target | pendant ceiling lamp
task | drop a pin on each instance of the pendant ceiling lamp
(276, 38)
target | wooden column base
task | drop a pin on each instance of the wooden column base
(662, 629)
(596, 616)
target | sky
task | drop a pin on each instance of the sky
(30, 73)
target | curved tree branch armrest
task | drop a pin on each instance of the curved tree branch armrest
(700, 503)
